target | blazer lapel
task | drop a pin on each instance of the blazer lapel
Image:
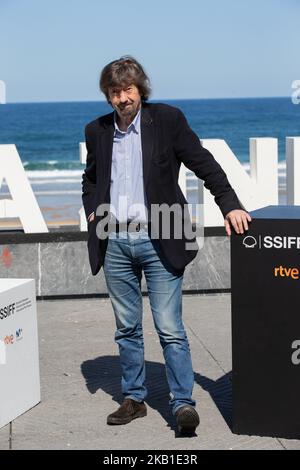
(147, 138)
(106, 146)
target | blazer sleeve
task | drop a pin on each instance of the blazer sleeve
(89, 176)
(196, 158)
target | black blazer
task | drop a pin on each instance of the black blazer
(167, 141)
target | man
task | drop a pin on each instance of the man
(133, 161)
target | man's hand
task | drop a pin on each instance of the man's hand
(238, 219)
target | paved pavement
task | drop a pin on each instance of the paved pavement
(80, 382)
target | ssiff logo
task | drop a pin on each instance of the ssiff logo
(249, 241)
(270, 241)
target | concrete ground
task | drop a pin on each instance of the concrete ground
(80, 382)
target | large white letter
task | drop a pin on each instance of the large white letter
(23, 203)
(257, 190)
(293, 170)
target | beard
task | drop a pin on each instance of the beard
(128, 112)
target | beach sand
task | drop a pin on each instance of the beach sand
(15, 224)
(58, 209)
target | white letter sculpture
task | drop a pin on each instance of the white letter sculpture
(257, 190)
(23, 203)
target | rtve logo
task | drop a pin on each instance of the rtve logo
(10, 339)
(269, 241)
(281, 271)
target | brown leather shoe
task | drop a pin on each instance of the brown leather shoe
(128, 411)
(187, 419)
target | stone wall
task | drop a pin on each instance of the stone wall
(58, 261)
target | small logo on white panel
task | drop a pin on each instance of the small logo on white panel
(19, 334)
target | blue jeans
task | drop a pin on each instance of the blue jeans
(126, 256)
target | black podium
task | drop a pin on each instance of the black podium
(265, 287)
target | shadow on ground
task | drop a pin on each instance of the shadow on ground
(105, 373)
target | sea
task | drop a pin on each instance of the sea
(47, 137)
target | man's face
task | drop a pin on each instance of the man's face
(126, 101)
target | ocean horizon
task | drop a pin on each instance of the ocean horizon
(47, 137)
(47, 134)
(162, 100)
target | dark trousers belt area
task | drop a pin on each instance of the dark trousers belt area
(129, 226)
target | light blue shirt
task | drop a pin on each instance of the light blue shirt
(127, 195)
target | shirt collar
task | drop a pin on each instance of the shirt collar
(135, 124)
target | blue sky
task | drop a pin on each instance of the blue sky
(53, 50)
